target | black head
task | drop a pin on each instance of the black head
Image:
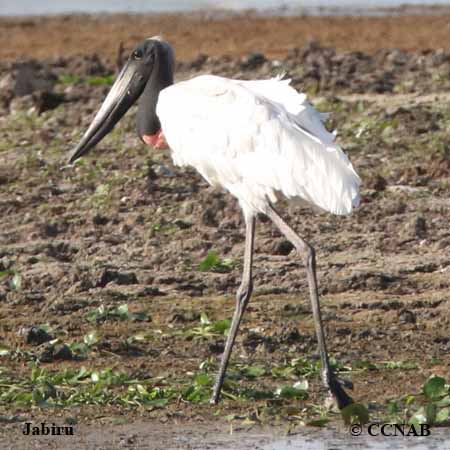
(148, 69)
(162, 63)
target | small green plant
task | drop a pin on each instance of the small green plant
(120, 312)
(81, 349)
(200, 388)
(253, 372)
(4, 350)
(93, 80)
(298, 390)
(386, 365)
(297, 367)
(443, 148)
(69, 79)
(437, 402)
(355, 413)
(6, 273)
(102, 195)
(15, 278)
(432, 406)
(208, 329)
(214, 263)
(106, 80)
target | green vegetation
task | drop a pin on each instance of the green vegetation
(14, 278)
(277, 389)
(81, 386)
(367, 365)
(214, 263)
(431, 406)
(208, 329)
(107, 80)
(70, 79)
(370, 128)
(120, 312)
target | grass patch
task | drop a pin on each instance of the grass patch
(81, 387)
(69, 79)
(106, 80)
(15, 278)
(387, 365)
(93, 80)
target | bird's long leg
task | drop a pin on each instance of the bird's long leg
(303, 247)
(242, 297)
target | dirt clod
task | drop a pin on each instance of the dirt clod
(282, 247)
(114, 276)
(37, 336)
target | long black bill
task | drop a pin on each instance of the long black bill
(125, 91)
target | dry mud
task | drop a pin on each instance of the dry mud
(127, 227)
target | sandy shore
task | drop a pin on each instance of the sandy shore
(45, 37)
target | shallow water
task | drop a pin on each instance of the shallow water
(33, 7)
(437, 441)
(314, 439)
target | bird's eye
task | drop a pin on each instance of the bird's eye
(137, 54)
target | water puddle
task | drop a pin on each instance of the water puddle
(437, 441)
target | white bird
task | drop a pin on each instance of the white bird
(259, 140)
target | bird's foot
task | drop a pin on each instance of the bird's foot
(344, 382)
(335, 387)
(215, 396)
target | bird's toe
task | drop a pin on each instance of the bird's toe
(345, 382)
(341, 398)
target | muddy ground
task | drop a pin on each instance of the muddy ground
(125, 228)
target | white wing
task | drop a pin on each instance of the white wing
(257, 139)
(278, 91)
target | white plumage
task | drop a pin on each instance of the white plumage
(257, 139)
